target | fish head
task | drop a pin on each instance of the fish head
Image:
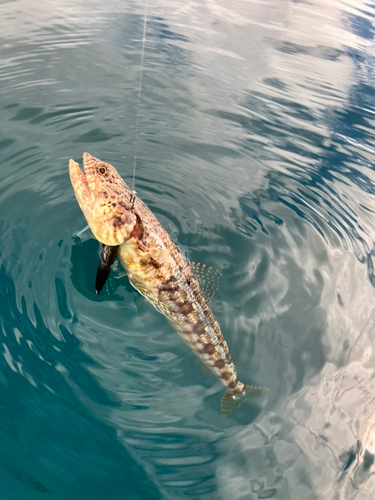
(104, 198)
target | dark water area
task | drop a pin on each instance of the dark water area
(256, 152)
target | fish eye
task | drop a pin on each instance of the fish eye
(102, 170)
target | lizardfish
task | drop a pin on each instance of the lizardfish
(156, 268)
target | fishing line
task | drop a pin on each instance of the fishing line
(77, 235)
(139, 101)
(132, 198)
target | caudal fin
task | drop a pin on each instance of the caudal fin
(231, 402)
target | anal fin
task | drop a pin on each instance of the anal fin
(205, 368)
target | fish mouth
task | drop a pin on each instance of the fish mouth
(83, 182)
(109, 221)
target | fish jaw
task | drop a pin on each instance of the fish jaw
(103, 199)
(84, 194)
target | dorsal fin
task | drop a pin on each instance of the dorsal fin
(208, 278)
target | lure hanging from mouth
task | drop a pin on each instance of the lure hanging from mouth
(107, 258)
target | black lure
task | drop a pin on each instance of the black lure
(107, 258)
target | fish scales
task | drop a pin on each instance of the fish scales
(160, 272)
(156, 268)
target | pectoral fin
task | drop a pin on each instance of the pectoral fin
(208, 278)
(107, 258)
(118, 271)
(140, 304)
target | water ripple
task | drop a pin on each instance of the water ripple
(256, 152)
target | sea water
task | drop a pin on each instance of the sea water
(256, 152)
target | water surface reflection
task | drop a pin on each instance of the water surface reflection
(256, 152)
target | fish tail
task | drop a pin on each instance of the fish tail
(231, 402)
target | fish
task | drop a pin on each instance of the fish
(156, 268)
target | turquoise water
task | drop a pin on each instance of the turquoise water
(256, 152)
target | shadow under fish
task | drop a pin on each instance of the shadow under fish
(84, 259)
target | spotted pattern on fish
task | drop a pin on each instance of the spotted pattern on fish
(155, 267)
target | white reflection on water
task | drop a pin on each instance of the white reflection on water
(317, 443)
